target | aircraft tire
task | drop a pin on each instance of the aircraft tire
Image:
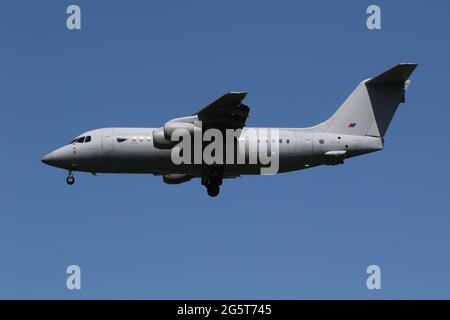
(70, 180)
(213, 190)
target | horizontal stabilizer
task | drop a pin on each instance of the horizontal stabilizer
(394, 76)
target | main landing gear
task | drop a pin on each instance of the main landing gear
(212, 179)
(70, 179)
(213, 190)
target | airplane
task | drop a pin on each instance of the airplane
(357, 127)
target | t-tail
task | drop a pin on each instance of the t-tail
(368, 111)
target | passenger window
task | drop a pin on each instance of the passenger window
(281, 141)
(287, 141)
(80, 140)
(88, 139)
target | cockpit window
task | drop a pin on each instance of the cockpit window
(121, 139)
(81, 140)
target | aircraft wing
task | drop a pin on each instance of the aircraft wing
(227, 112)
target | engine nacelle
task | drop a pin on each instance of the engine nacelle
(176, 178)
(159, 140)
(162, 136)
(171, 126)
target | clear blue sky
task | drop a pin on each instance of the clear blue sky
(307, 234)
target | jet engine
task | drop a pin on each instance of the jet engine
(176, 178)
(162, 136)
(159, 140)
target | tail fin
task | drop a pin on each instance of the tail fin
(371, 106)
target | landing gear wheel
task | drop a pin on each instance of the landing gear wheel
(212, 179)
(213, 190)
(70, 180)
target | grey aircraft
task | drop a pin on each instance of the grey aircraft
(357, 127)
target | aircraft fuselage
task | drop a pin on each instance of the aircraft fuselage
(131, 150)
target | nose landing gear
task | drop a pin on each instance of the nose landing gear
(70, 179)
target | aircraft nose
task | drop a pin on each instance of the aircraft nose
(49, 158)
(60, 158)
